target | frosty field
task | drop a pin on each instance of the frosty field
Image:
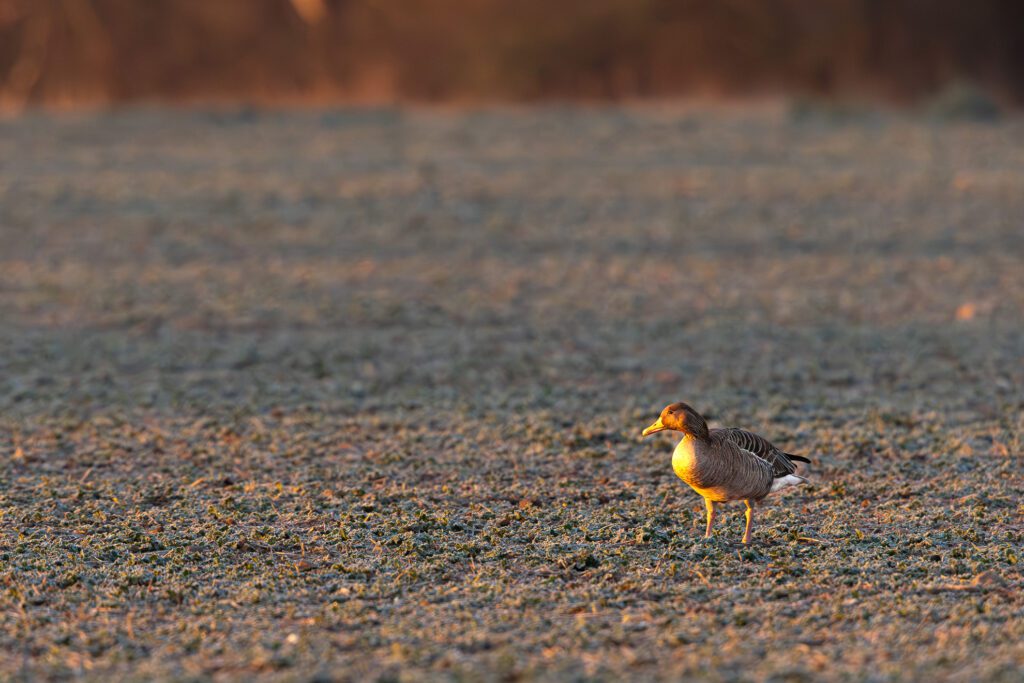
(357, 394)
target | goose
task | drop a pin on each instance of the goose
(725, 464)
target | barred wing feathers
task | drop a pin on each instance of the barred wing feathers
(781, 463)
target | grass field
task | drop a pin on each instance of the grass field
(356, 395)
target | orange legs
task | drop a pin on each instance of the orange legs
(750, 520)
(711, 516)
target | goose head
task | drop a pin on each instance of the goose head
(679, 417)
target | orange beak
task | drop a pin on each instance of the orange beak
(656, 427)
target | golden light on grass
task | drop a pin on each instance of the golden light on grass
(311, 11)
(89, 52)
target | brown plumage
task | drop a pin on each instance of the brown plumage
(725, 464)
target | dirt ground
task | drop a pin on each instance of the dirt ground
(356, 394)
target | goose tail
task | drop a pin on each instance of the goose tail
(786, 481)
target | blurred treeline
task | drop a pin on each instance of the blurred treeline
(89, 51)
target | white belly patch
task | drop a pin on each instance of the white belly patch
(786, 481)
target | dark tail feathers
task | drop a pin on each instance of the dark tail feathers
(798, 458)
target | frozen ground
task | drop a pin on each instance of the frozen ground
(356, 394)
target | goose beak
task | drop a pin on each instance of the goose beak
(656, 427)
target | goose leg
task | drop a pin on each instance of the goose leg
(711, 516)
(750, 520)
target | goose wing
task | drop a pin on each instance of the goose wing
(738, 474)
(780, 462)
